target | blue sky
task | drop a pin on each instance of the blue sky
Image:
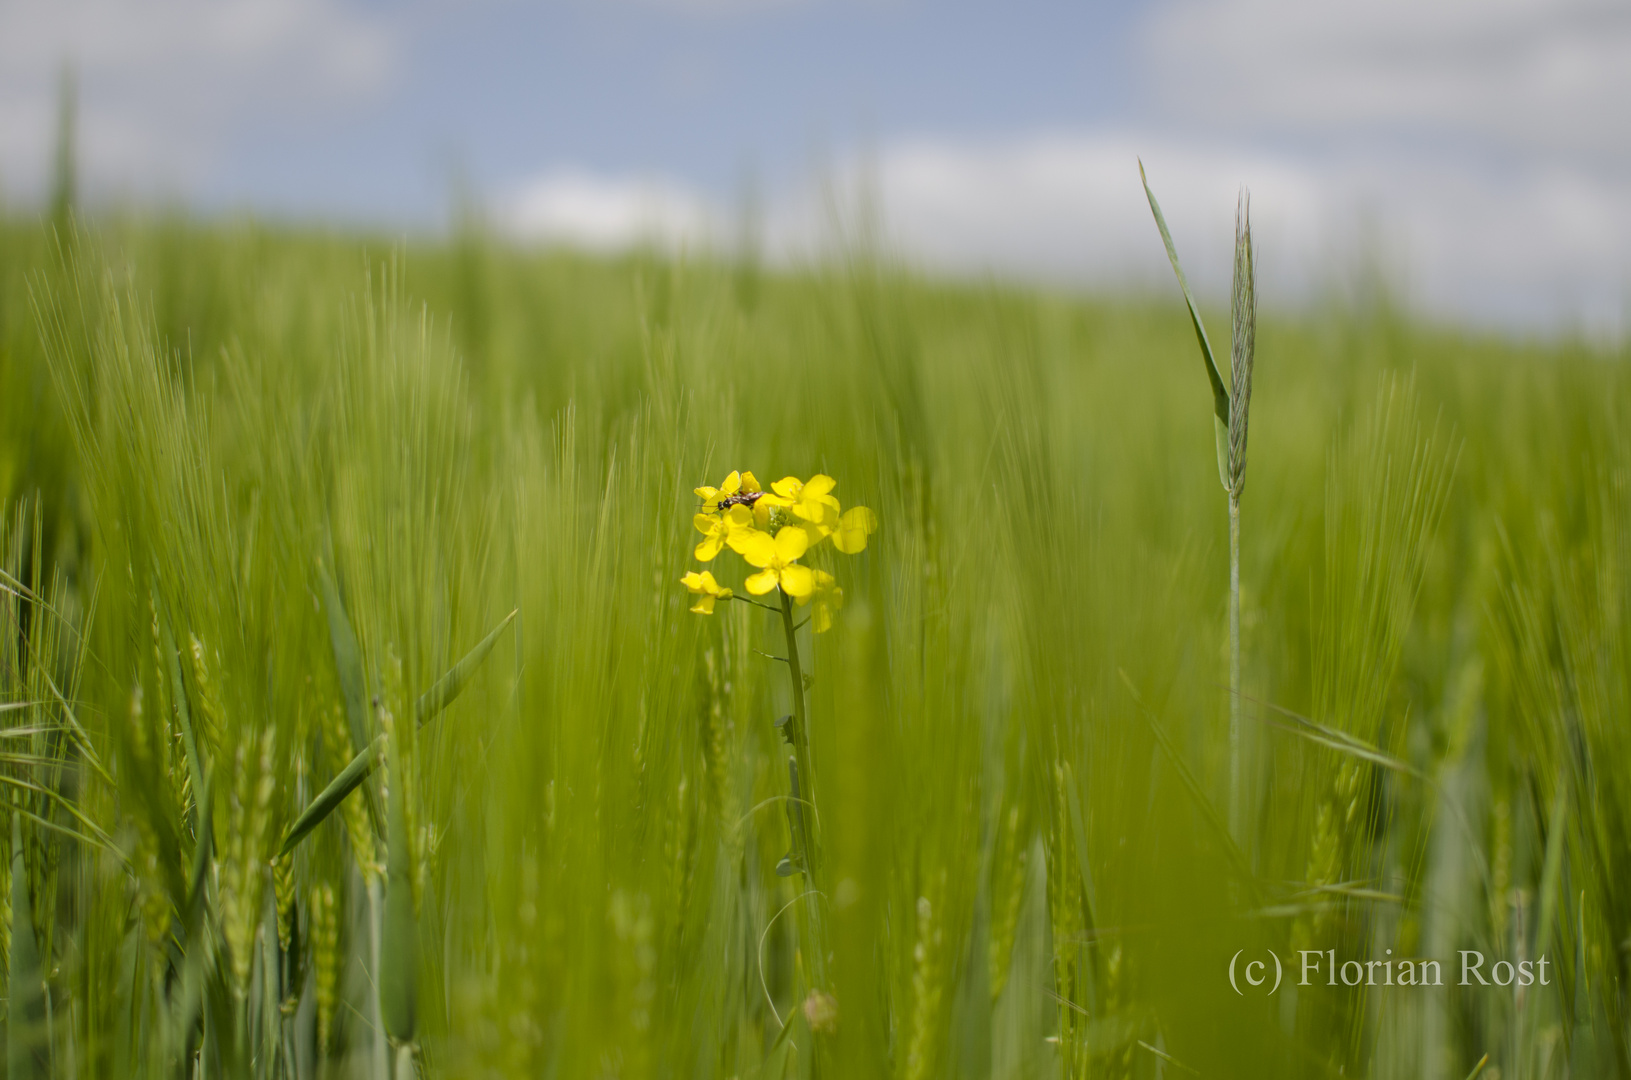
(1480, 148)
(698, 91)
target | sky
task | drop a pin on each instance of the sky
(1478, 152)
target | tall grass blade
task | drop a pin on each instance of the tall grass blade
(451, 685)
(1220, 393)
(331, 796)
(347, 660)
(432, 702)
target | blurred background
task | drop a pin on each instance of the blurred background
(1474, 154)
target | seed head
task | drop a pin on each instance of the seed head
(1245, 343)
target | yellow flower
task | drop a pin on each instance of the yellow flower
(811, 499)
(856, 524)
(736, 483)
(707, 590)
(828, 597)
(777, 562)
(718, 529)
(812, 504)
(788, 488)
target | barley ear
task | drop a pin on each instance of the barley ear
(1244, 347)
(325, 937)
(171, 669)
(1220, 395)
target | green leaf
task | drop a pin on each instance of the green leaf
(1551, 876)
(353, 685)
(347, 659)
(432, 702)
(1220, 393)
(1241, 864)
(1342, 742)
(331, 796)
(201, 850)
(449, 686)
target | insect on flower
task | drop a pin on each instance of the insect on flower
(739, 488)
(774, 531)
(741, 498)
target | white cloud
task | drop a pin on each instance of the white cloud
(1489, 139)
(1530, 250)
(1532, 247)
(608, 213)
(163, 82)
(1071, 205)
(1521, 76)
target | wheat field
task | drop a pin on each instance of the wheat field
(272, 494)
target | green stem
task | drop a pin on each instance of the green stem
(804, 826)
(381, 1058)
(1235, 801)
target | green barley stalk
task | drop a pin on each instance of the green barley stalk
(1230, 408)
(25, 1020)
(1241, 357)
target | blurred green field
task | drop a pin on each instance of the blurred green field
(224, 447)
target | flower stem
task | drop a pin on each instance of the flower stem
(1235, 801)
(806, 848)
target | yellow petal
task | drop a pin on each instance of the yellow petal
(796, 581)
(788, 487)
(739, 517)
(821, 620)
(757, 548)
(749, 482)
(723, 594)
(761, 514)
(853, 529)
(705, 523)
(708, 548)
(859, 517)
(818, 485)
(709, 495)
(791, 543)
(814, 534)
(704, 605)
(693, 581)
(732, 484)
(762, 582)
(850, 542)
(821, 516)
